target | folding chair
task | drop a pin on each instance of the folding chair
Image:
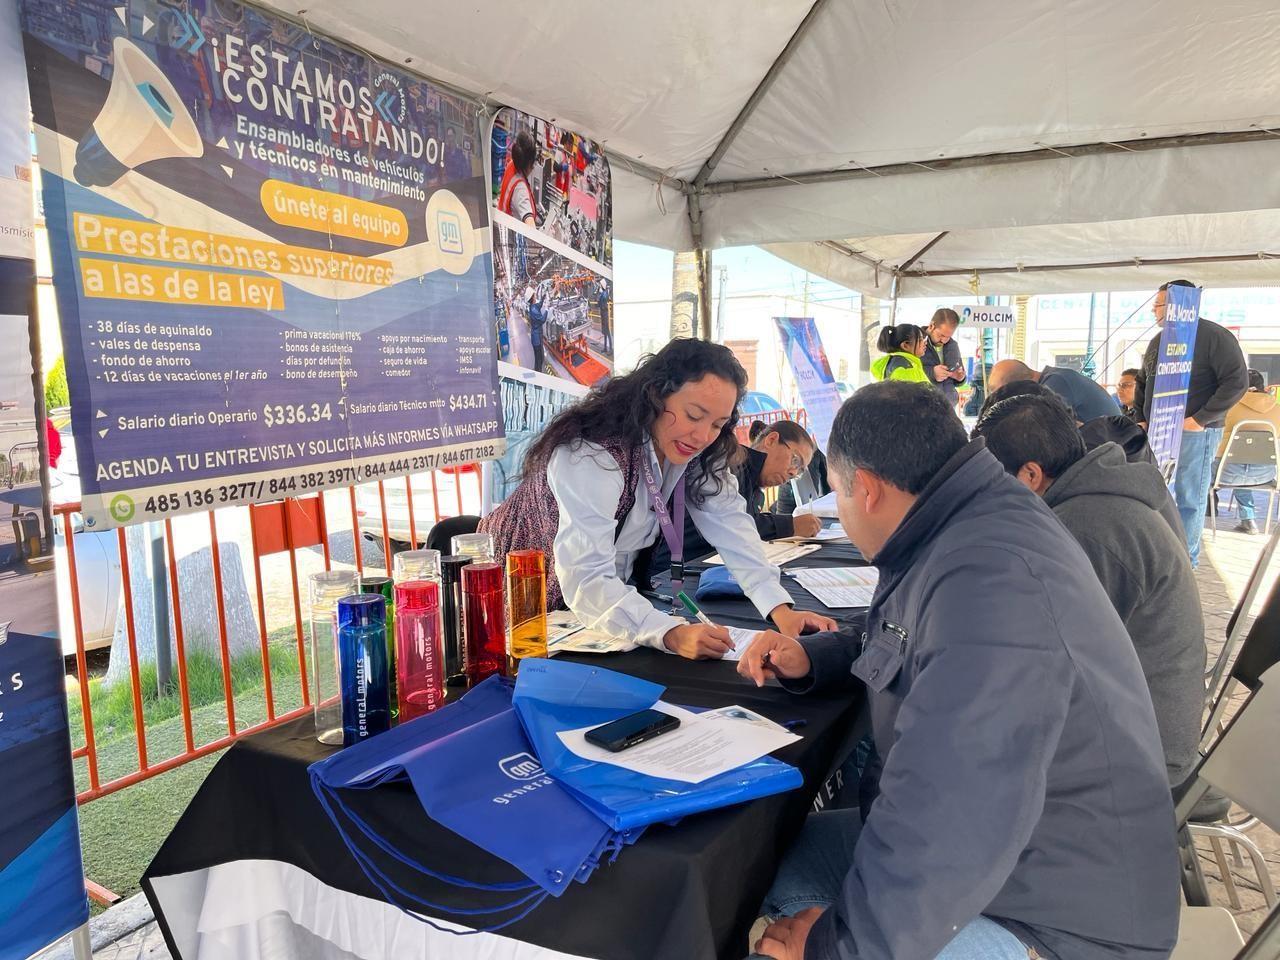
(1239, 617)
(1244, 765)
(1250, 443)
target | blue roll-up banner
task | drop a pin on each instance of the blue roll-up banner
(1173, 375)
(42, 893)
(271, 255)
(803, 347)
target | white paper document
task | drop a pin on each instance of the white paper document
(741, 640)
(778, 552)
(566, 634)
(705, 745)
(824, 506)
(840, 586)
(825, 535)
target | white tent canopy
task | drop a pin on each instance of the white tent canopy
(1046, 133)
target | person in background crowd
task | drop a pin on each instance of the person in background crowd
(1086, 398)
(757, 428)
(616, 471)
(942, 356)
(1124, 393)
(781, 452)
(786, 502)
(53, 440)
(1219, 378)
(1023, 807)
(903, 346)
(602, 305)
(1256, 404)
(537, 322)
(1122, 515)
(515, 196)
(1120, 430)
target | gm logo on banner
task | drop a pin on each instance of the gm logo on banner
(520, 766)
(448, 232)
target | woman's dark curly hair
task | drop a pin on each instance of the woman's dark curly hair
(627, 407)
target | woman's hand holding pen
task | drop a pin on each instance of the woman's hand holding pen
(698, 641)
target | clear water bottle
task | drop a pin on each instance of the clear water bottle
(419, 648)
(326, 589)
(417, 565)
(477, 546)
(527, 605)
(362, 661)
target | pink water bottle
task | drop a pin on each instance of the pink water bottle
(419, 648)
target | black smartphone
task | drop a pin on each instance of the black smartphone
(632, 729)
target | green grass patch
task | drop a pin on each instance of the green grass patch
(112, 705)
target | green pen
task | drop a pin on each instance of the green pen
(693, 608)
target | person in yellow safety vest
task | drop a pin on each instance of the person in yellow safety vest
(902, 346)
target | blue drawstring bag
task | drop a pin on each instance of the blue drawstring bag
(474, 772)
(553, 696)
(717, 583)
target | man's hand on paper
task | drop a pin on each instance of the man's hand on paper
(787, 658)
(785, 939)
(794, 622)
(698, 641)
(806, 525)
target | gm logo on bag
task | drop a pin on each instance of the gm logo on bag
(520, 766)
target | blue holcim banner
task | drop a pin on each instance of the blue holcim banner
(803, 347)
(271, 255)
(1173, 374)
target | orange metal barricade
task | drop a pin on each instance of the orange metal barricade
(284, 526)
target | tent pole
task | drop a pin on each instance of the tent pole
(704, 294)
(758, 94)
(1110, 264)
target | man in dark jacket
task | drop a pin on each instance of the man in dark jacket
(942, 359)
(1023, 802)
(1219, 378)
(1086, 398)
(1120, 430)
(1123, 516)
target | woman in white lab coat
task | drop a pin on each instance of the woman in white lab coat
(618, 470)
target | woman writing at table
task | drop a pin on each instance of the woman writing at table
(618, 470)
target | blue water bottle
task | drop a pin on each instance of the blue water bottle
(363, 667)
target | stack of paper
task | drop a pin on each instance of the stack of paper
(825, 535)
(705, 745)
(566, 634)
(840, 586)
(778, 552)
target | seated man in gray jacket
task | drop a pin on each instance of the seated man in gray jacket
(1123, 516)
(1023, 807)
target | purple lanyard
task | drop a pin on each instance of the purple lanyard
(672, 529)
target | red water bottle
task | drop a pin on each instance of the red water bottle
(484, 621)
(419, 648)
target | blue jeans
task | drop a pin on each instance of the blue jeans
(1192, 481)
(1245, 473)
(813, 872)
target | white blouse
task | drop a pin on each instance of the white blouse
(593, 567)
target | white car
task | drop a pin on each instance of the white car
(428, 488)
(97, 562)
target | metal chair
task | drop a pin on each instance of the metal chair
(1250, 443)
(1243, 764)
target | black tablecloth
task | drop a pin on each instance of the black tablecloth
(685, 891)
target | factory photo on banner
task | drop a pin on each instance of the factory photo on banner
(552, 250)
(271, 256)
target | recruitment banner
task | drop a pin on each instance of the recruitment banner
(553, 283)
(1173, 375)
(271, 257)
(17, 212)
(803, 346)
